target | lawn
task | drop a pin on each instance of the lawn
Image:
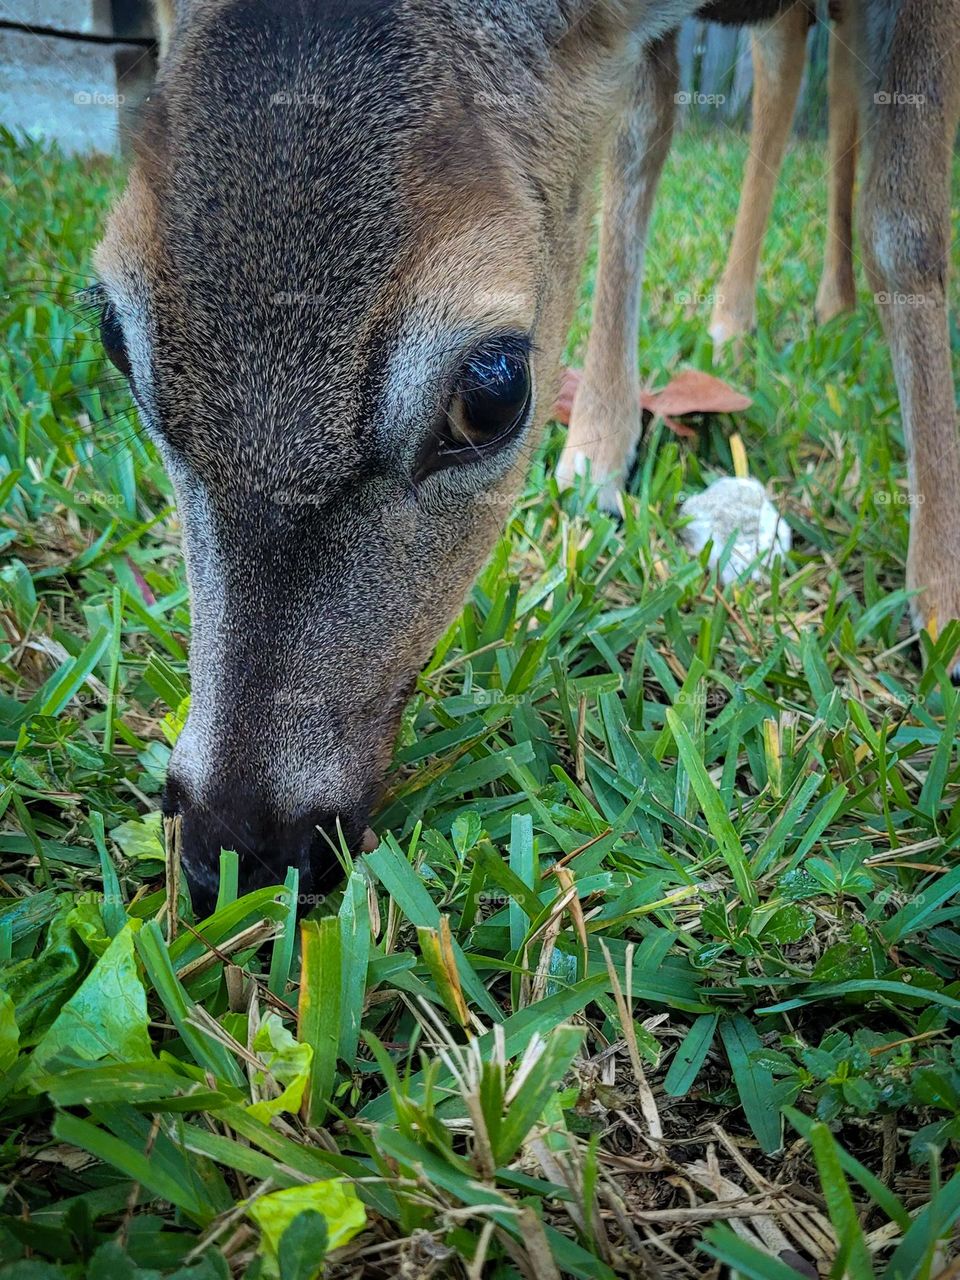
(654, 971)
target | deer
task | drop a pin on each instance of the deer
(778, 49)
(339, 281)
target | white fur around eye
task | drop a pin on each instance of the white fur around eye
(128, 299)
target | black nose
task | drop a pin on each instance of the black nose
(266, 844)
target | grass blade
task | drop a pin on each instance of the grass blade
(754, 1083)
(691, 1056)
(718, 820)
(319, 1010)
(853, 1257)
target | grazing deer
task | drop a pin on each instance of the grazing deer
(340, 281)
(779, 53)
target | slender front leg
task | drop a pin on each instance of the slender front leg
(911, 99)
(779, 50)
(838, 290)
(605, 421)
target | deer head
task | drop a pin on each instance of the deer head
(340, 281)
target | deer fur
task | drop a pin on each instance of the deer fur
(779, 52)
(331, 202)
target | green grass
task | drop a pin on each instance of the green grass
(663, 927)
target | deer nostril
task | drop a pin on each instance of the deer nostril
(174, 800)
(267, 845)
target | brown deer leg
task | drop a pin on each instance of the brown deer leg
(605, 421)
(838, 290)
(778, 57)
(911, 99)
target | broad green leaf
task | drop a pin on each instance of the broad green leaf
(287, 1061)
(465, 831)
(141, 837)
(303, 1247)
(522, 865)
(334, 1200)
(40, 985)
(105, 1019)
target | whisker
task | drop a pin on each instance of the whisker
(44, 263)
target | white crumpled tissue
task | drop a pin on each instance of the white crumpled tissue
(741, 507)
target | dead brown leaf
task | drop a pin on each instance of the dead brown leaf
(691, 392)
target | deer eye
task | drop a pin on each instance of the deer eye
(111, 336)
(491, 396)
